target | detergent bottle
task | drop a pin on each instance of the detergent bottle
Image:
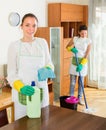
(33, 103)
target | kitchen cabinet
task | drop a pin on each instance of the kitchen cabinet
(68, 16)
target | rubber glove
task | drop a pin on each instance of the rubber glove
(20, 87)
(50, 71)
(80, 66)
(73, 49)
(27, 90)
(44, 73)
(18, 84)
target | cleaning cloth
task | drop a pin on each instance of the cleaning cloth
(45, 73)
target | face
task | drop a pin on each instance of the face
(83, 33)
(29, 27)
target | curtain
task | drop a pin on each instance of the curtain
(97, 33)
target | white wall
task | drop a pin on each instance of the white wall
(9, 33)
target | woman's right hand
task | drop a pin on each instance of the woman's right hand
(27, 90)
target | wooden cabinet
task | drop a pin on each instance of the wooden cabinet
(44, 32)
(69, 17)
(64, 13)
(76, 12)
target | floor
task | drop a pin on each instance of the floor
(96, 101)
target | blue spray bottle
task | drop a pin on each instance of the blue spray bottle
(33, 103)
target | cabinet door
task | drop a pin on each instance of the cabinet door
(66, 66)
(54, 14)
(71, 12)
(66, 85)
(44, 32)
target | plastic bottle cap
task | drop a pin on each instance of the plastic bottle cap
(33, 83)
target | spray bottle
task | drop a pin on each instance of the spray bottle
(33, 103)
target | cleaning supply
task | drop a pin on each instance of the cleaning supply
(74, 60)
(18, 84)
(74, 50)
(23, 90)
(72, 100)
(33, 103)
(44, 73)
(27, 90)
(80, 66)
(41, 91)
(87, 110)
(69, 102)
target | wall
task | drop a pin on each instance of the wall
(9, 33)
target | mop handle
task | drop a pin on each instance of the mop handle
(80, 77)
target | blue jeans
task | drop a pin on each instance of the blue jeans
(73, 83)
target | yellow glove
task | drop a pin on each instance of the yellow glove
(18, 85)
(73, 49)
(84, 61)
(69, 48)
(80, 66)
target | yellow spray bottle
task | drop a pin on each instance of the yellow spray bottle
(33, 103)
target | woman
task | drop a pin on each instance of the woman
(25, 57)
(82, 46)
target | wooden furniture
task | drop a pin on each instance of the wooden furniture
(4, 106)
(56, 118)
(3, 117)
(70, 17)
(43, 32)
(6, 103)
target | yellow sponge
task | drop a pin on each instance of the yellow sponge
(18, 85)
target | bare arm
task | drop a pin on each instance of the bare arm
(87, 51)
(71, 43)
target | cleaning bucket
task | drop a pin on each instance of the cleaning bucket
(69, 102)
